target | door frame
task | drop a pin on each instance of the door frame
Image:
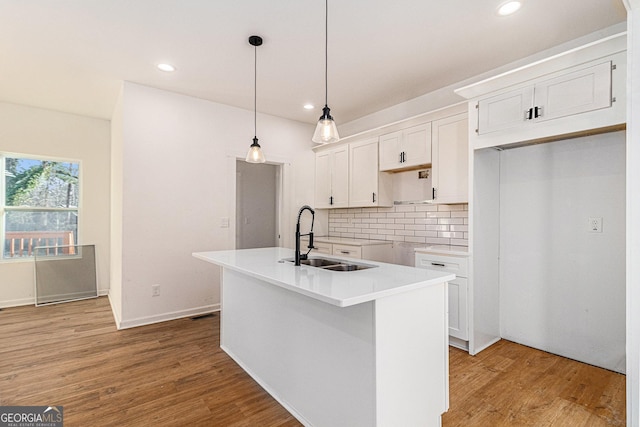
(283, 198)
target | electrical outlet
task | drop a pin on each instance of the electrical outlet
(595, 225)
(155, 290)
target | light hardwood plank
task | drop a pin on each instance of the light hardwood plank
(174, 374)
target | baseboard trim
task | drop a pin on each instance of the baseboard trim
(164, 317)
(486, 345)
(17, 302)
(458, 343)
(116, 315)
(32, 300)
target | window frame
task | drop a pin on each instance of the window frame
(4, 208)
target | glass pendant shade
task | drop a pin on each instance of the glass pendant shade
(255, 153)
(326, 129)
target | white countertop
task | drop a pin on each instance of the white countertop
(444, 250)
(348, 241)
(339, 288)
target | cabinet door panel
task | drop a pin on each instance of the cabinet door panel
(417, 145)
(363, 173)
(450, 165)
(504, 111)
(390, 151)
(458, 320)
(323, 179)
(574, 93)
(340, 177)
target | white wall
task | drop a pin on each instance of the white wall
(633, 213)
(562, 287)
(445, 96)
(115, 291)
(39, 132)
(178, 168)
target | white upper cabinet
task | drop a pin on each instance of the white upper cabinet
(367, 185)
(577, 92)
(405, 149)
(573, 92)
(504, 111)
(450, 166)
(332, 178)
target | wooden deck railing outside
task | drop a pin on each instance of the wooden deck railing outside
(22, 243)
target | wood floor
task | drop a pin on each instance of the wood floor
(174, 374)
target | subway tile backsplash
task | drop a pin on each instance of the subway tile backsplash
(428, 224)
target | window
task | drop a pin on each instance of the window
(39, 205)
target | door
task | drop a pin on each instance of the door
(573, 93)
(340, 177)
(323, 180)
(458, 309)
(363, 171)
(416, 145)
(504, 111)
(256, 205)
(450, 165)
(390, 151)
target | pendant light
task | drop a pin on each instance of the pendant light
(326, 130)
(255, 154)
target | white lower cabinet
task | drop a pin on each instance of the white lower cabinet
(458, 291)
(378, 251)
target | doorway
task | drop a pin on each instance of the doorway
(257, 201)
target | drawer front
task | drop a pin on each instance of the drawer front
(321, 248)
(452, 264)
(348, 251)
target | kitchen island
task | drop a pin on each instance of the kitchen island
(338, 348)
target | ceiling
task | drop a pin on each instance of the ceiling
(71, 55)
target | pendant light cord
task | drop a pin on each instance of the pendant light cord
(255, 91)
(326, 54)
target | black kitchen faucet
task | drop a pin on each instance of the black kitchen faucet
(300, 256)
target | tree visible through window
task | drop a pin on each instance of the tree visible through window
(40, 206)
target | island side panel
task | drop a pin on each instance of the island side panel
(316, 359)
(412, 367)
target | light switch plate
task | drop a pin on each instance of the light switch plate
(595, 225)
(224, 222)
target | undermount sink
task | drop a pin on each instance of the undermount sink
(332, 264)
(318, 262)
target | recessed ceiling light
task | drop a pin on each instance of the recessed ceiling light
(308, 107)
(509, 7)
(166, 67)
